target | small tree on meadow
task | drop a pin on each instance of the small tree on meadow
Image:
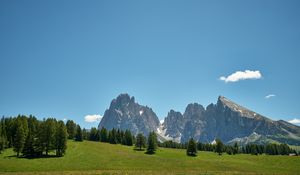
(140, 141)
(152, 143)
(191, 148)
(78, 135)
(219, 146)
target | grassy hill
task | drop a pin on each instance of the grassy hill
(102, 158)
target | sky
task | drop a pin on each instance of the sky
(68, 58)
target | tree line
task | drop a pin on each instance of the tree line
(33, 138)
(118, 136)
(255, 149)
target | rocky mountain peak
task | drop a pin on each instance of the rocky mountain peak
(193, 109)
(173, 125)
(226, 120)
(124, 113)
(122, 101)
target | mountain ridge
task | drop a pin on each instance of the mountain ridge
(225, 120)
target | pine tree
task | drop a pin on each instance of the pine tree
(19, 138)
(93, 134)
(71, 129)
(29, 146)
(103, 135)
(152, 143)
(61, 138)
(10, 131)
(140, 141)
(2, 135)
(119, 136)
(219, 146)
(191, 148)
(2, 143)
(78, 135)
(235, 148)
(128, 138)
(49, 134)
(85, 135)
(112, 136)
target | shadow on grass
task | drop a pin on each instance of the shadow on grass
(138, 149)
(192, 155)
(33, 157)
(149, 153)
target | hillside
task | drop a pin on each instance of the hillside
(101, 158)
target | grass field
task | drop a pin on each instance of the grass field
(101, 158)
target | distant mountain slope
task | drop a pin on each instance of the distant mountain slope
(231, 122)
(225, 120)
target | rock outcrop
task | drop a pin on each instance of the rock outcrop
(125, 113)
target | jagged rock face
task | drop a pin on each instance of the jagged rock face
(125, 113)
(194, 122)
(228, 121)
(225, 120)
(173, 124)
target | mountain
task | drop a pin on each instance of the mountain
(225, 120)
(125, 113)
(231, 123)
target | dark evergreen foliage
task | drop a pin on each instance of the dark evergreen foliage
(152, 143)
(103, 135)
(19, 137)
(191, 148)
(78, 135)
(94, 134)
(71, 129)
(128, 138)
(61, 138)
(219, 147)
(140, 141)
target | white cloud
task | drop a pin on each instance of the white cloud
(270, 96)
(240, 75)
(93, 118)
(64, 119)
(295, 121)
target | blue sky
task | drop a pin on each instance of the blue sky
(69, 59)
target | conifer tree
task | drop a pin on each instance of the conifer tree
(30, 142)
(49, 134)
(112, 136)
(235, 148)
(191, 148)
(71, 129)
(140, 141)
(152, 143)
(2, 143)
(219, 146)
(2, 135)
(85, 135)
(93, 134)
(128, 138)
(119, 136)
(19, 138)
(61, 138)
(78, 135)
(103, 135)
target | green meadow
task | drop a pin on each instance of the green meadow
(102, 158)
